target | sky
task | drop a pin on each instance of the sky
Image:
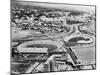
(85, 8)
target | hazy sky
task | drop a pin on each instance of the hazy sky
(59, 6)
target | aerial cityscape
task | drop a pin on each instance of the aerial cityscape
(52, 37)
